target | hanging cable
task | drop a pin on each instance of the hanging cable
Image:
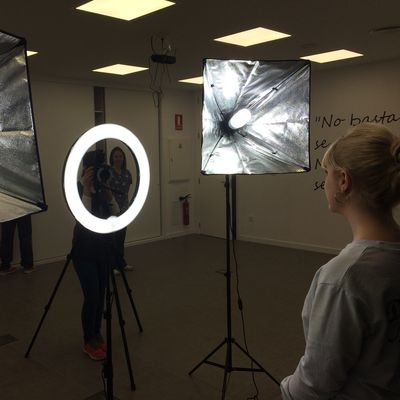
(240, 306)
(162, 56)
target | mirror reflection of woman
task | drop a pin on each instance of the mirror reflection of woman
(120, 183)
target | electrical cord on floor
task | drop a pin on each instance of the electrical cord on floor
(240, 306)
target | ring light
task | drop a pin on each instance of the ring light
(78, 150)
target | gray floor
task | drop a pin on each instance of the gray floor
(180, 293)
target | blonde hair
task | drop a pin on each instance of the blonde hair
(370, 154)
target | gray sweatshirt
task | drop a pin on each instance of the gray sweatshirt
(351, 319)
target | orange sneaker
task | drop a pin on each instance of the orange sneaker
(8, 271)
(103, 346)
(94, 353)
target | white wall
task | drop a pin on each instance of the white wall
(285, 210)
(63, 112)
(180, 161)
(135, 111)
(288, 210)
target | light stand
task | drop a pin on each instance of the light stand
(230, 341)
(111, 290)
(104, 226)
(108, 369)
(255, 120)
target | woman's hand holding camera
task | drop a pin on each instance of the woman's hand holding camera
(87, 181)
(106, 195)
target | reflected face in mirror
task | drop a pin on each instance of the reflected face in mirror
(115, 183)
(118, 159)
(124, 178)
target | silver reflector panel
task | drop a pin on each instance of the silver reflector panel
(256, 117)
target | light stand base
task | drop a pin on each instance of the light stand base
(107, 366)
(228, 367)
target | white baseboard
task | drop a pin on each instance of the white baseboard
(50, 260)
(246, 238)
(189, 231)
(171, 235)
(292, 245)
(143, 241)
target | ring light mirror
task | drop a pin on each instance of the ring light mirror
(71, 169)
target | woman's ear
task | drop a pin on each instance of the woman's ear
(345, 183)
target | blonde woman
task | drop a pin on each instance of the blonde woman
(351, 315)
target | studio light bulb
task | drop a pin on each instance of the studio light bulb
(240, 119)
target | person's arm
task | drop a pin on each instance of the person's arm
(86, 182)
(333, 344)
(112, 203)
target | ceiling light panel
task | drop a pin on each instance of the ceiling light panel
(124, 9)
(120, 69)
(330, 56)
(198, 80)
(252, 37)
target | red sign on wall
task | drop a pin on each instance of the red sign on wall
(178, 122)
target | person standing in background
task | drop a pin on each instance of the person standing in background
(120, 182)
(24, 225)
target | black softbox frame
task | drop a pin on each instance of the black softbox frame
(21, 188)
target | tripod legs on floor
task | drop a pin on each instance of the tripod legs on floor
(48, 305)
(129, 292)
(206, 361)
(107, 365)
(122, 327)
(228, 366)
(108, 371)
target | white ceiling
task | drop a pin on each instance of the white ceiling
(72, 43)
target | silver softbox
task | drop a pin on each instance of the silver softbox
(21, 190)
(255, 117)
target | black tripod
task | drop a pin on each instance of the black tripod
(229, 341)
(111, 291)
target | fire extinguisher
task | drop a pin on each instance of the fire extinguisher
(185, 209)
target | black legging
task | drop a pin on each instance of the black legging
(93, 278)
(119, 243)
(24, 225)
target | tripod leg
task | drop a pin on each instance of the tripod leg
(256, 363)
(48, 305)
(224, 384)
(122, 324)
(207, 357)
(129, 292)
(228, 366)
(107, 365)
